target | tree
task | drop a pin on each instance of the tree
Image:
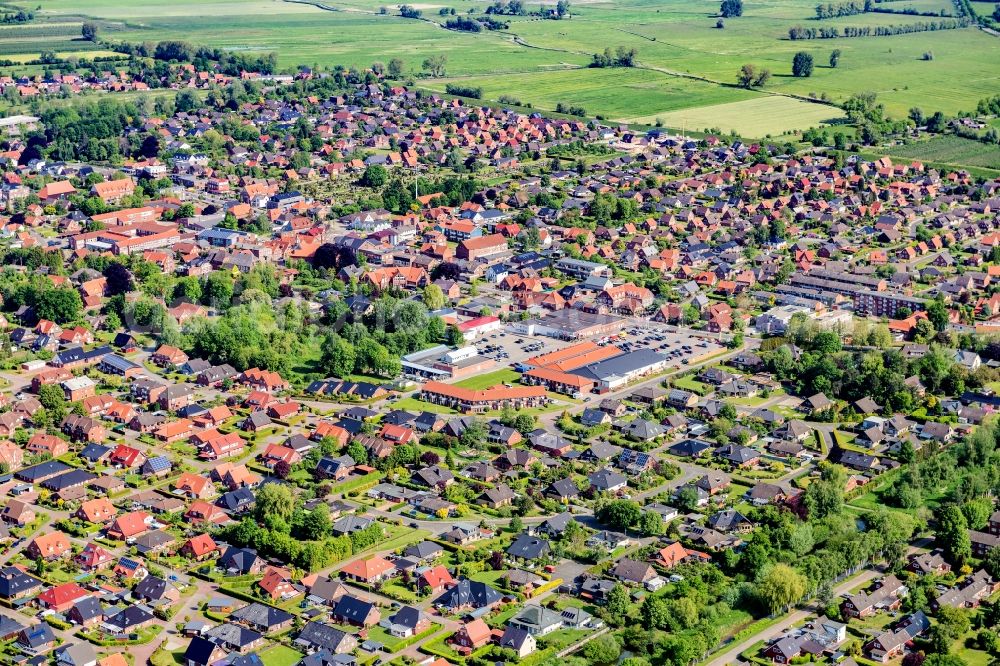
(622, 513)
(317, 523)
(654, 612)
(119, 278)
(217, 290)
(825, 496)
(60, 305)
(651, 524)
(282, 469)
(746, 76)
(952, 533)
(524, 423)
(89, 31)
(937, 312)
(992, 562)
(433, 297)
(474, 434)
(687, 498)
(375, 176)
(436, 329)
(357, 452)
(779, 586)
(954, 622)
(395, 68)
(338, 356)
(834, 58)
(923, 331)
(455, 337)
(53, 399)
(274, 500)
(731, 8)
(977, 512)
(618, 603)
(436, 65)
(802, 64)
(602, 650)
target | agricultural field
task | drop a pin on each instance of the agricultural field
(686, 71)
(951, 149)
(762, 115)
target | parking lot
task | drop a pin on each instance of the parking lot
(681, 345)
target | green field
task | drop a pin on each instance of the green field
(769, 114)
(280, 655)
(490, 379)
(619, 94)
(953, 150)
(686, 71)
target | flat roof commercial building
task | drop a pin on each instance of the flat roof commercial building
(442, 363)
(571, 324)
(616, 372)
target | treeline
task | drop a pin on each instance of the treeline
(516, 8)
(464, 24)
(799, 32)
(830, 10)
(464, 91)
(202, 57)
(989, 106)
(511, 8)
(621, 57)
(21, 16)
(407, 11)
(909, 11)
(571, 110)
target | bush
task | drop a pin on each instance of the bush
(464, 91)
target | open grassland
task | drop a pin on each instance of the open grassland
(618, 94)
(953, 150)
(755, 118)
(688, 65)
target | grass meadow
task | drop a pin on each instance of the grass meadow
(688, 65)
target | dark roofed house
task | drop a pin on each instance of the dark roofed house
(353, 610)
(262, 617)
(15, 584)
(526, 547)
(128, 620)
(235, 637)
(202, 652)
(243, 561)
(468, 594)
(316, 636)
(562, 490)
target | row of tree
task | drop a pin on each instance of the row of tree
(799, 32)
(830, 10)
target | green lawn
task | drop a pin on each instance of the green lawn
(490, 379)
(280, 655)
(415, 404)
(689, 383)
